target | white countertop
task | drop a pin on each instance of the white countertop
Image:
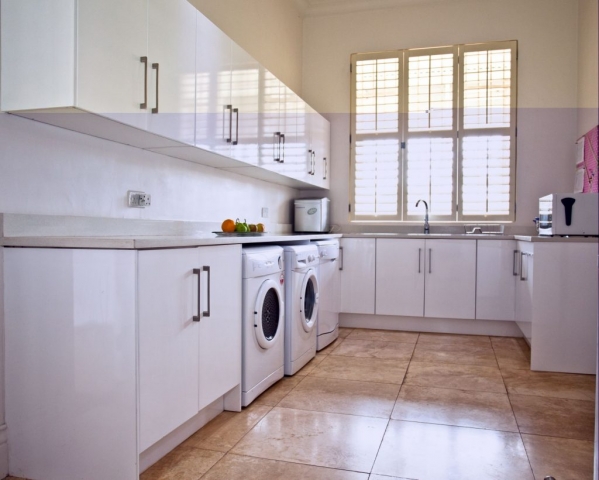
(466, 236)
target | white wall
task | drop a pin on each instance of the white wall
(587, 65)
(547, 34)
(270, 30)
(51, 171)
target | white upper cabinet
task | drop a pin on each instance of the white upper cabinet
(497, 270)
(450, 283)
(172, 69)
(271, 124)
(400, 277)
(320, 134)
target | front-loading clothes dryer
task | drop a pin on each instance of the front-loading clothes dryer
(263, 318)
(301, 305)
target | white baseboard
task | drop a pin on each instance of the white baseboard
(431, 325)
(151, 455)
(3, 451)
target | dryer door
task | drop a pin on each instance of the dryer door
(268, 314)
(309, 300)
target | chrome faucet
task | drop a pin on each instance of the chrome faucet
(427, 229)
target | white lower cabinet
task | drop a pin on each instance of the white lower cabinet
(524, 290)
(358, 275)
(189, 334)
(71, 353)
(496, 274)
(92, 332)
(400, 277)
(430, 278)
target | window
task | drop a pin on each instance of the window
(437, 124)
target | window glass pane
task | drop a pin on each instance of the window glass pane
(377, 96)
(486, 175)
(376, 177)
(487, 88)
(430, 174)
(430, 93)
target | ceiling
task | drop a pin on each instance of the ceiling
(310, 8)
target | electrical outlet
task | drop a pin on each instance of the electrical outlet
(264, 212)
(139, 199)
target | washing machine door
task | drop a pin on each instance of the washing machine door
(309, 300)
(268, 314)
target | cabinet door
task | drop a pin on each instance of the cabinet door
(450, 279)
(400, 277)
(171, 46)
(112, 38)
(213, 88)
(245, 98)
(294, 158)
(495, 280)
(220, 328)
(524, 283)
(168, 341)
(71, 396)
(357, 275)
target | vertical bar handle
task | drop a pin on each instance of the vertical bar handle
(230, 138)
(276, 157)
(207, 270)
(310, 168)
(522, 277)
(236, 112)
(430, 260)
(144, 105)
(198, 272)
(326, 167)
(515, 263)
(342, 258)
(283, 154)
(419, 260)
(156, 66)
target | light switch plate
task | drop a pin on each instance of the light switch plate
(264, 212)
(138, 199)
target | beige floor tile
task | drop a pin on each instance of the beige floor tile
(311, 365)
(562, 458)
(455, 353)
(430, 452)
(222, 433)
(382, 370)
(343, 396)
(385, 477)
(278, 391)
(383, 335)
(332, 346)
(238, 467)
(344, 332)
(375, 349)
(455, 407)
(511, 352)
(511, 343)
(331, 440)
(462, 377)
(555, 417)
(546, 384)
(183, 463)
(450, 339)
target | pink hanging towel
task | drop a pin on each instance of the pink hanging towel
(591, 176)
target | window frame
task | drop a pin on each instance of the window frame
(458, 133)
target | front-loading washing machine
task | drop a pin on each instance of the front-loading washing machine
(301, 305)
(263, 317)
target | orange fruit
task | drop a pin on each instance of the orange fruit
(228, 226)
(260, 227)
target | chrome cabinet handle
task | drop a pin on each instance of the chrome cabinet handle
(419, 259)
(236, 112)
(282, 137)
(326, 167)
(156, 66)
(430, 260)
(198, 272)
(522, 277)
(342, 258)
(230, 138)
(144, 105)
(207, 270)
(515, 263)
(310, 168)
(276, 158)
(313, 162)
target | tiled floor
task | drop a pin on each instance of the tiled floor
(397, 405)
(385, 405)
